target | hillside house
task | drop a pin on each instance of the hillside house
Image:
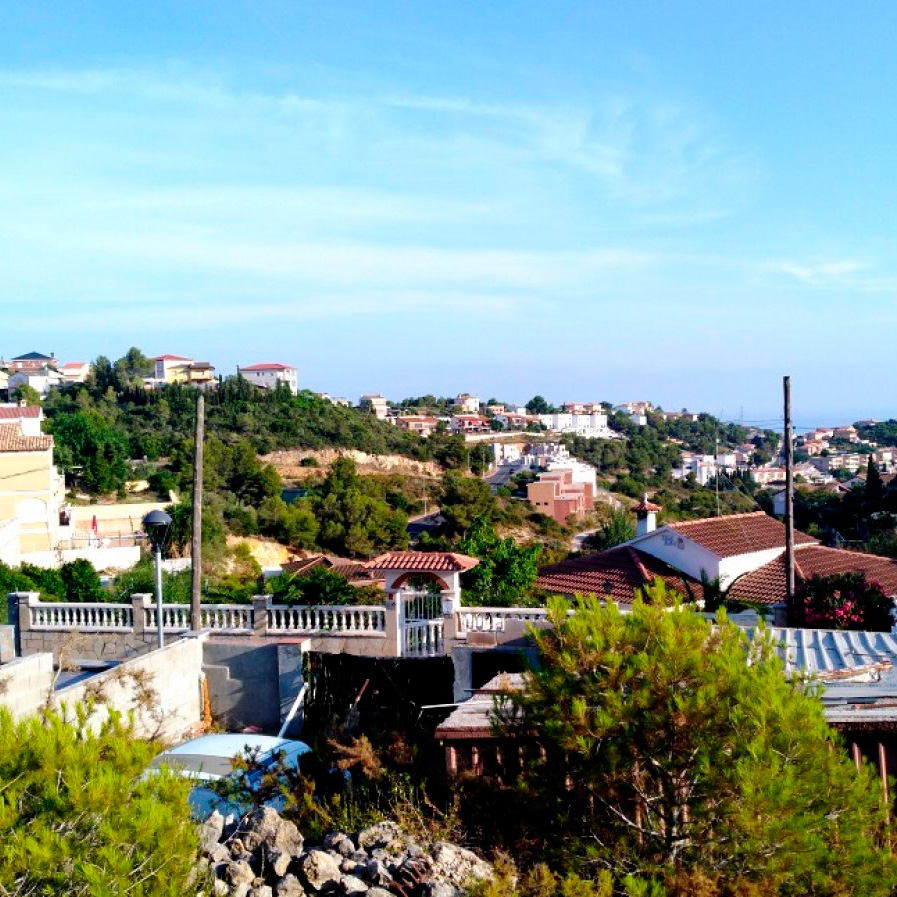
(417, 423)
(74, 371)
(41, 380)
(375, 404)
(32, 362)
(558, 494)
(466, 404)
(31, 488)
(593, 424)
(269, 375)
(470, 423)
(744, 553)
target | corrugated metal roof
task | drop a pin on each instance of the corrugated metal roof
(828, 651)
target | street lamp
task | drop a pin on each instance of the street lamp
(156, 524)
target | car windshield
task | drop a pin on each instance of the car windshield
(196, 763)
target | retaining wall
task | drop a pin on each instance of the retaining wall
(25, 683)
(162, 690)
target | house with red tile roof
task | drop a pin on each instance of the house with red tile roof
(744, 553)
(28, 417)
(269, 375)
(31, 488)
(74, 371)
(421, 424)
(443, 568)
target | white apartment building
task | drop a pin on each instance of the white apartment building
(270, 375)
(467, 404)
(592, 425)
(376, 404)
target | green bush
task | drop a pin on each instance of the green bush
(656, 749)
(77, 817)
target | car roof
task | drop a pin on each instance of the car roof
(230, 744)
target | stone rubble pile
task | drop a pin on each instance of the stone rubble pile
(266, 856)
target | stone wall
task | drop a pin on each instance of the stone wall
(253, 682)
(161, 691)
(78, 644)
(25, 683)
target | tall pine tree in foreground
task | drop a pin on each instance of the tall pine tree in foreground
(666, 747)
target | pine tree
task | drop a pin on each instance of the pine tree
(77, 817)
(874, 485)
(656, 749)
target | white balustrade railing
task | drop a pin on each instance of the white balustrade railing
(493, 619)
(423, 639)
(175, 617)
(227, 617)
(327, 618)
(96, 617)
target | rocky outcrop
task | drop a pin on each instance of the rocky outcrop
(266, 856)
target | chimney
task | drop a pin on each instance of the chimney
(645, 516)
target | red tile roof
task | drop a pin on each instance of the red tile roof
(17, 412)
(345, 567)
(645, 505)
(616, 573)
(13, 440)
(767, 585)
(266, 367)
(423, 561)
(738, 533)
(170, 358)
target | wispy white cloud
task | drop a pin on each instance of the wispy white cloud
(650, 154)
(822, 273)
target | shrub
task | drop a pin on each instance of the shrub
(842, 601)
(78, 818)
(653, 747)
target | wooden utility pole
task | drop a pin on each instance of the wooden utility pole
(789, 499)
(196, 590)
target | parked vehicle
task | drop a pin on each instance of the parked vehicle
(209, 759)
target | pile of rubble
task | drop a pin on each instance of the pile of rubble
(266, 856)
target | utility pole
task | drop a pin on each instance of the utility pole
(716, 468)
(789, 499)
(196, 590)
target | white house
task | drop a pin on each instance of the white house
(467, 404)
(28, 417)
(42, 380)
(376, 404)
(720, 548)
(74, 371)
(269, 375)
(593, 425)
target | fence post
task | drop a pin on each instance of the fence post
(139, 603)
(450, 607)
(24, 600)
(260, 605)
(395, 623)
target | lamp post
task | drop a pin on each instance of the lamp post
(156, 524)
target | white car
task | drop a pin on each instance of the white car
(210, 758)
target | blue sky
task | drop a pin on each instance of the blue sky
(675, 201)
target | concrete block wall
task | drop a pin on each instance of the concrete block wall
(171, 706)
(253, 682)
(25, 684)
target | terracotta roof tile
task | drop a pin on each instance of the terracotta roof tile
(345, 567)
(616, 573)
(13, 440)
(423, 561)
(738, 533)
(17, 412)
(266, 367)
(767, 584)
